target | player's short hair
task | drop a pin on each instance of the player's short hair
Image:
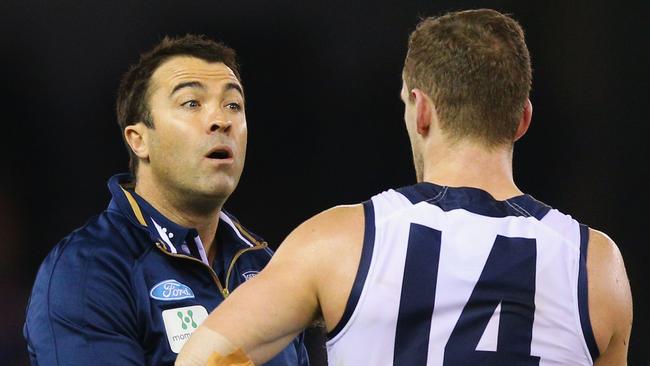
(475, 66)
(134, 91)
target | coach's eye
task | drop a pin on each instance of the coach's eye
(234, 106)
(191, 104)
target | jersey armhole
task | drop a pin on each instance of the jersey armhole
(362, 271)
(583, 295)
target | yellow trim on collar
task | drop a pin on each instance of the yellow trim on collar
(246, 233)
(134, 206)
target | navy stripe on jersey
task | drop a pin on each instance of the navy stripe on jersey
(418, 296)
(583, 295)
(364, 266)
(474, 200)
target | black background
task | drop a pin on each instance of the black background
(325, 122)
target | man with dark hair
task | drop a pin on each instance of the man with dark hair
(459, 269)
(130, 286)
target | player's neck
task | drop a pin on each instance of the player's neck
(465, 164)
(181, 209)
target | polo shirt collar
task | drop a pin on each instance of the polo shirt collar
(173, 238)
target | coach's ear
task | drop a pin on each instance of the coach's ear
(526, 117)
(136, 136)
(424, 110)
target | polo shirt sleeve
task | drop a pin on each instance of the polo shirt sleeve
(82, 309)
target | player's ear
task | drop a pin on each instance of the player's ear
(424, 110)
(136, 136)
(524, 122)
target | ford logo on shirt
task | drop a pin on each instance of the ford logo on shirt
(171, 290)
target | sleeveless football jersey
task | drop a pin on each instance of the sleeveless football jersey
(453, 277)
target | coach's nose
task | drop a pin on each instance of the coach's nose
(219, 124)
(218, 121)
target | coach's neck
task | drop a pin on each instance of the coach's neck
(180, 207)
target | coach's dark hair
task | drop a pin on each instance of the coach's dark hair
(475, 67)
(133, 92)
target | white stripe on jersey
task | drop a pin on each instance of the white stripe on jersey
(467, 238)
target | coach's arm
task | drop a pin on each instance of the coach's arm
(81, 311)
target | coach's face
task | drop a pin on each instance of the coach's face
(197, 145)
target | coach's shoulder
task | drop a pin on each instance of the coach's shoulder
(98, 249)
(86, 271)
(105, 234)
(610, 298)
(83, 289)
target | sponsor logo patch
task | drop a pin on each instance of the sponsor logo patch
(250, 274)
(171, 290)
(180, 323)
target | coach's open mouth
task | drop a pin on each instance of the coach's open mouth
(220, 153)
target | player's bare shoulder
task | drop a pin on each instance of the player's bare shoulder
(610, 298)
(335, 221)
(331, 244)
(332, 231)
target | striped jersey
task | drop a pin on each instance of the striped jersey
(453, 277)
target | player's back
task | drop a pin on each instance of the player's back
(451, 276)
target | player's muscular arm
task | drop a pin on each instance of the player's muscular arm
(610, 299)
(265, 313)
(342, 247)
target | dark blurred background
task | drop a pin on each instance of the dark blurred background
(325, 123)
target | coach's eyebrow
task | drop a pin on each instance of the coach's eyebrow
(187, 84)
(235, 86)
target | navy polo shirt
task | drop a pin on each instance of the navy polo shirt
(130, 286)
